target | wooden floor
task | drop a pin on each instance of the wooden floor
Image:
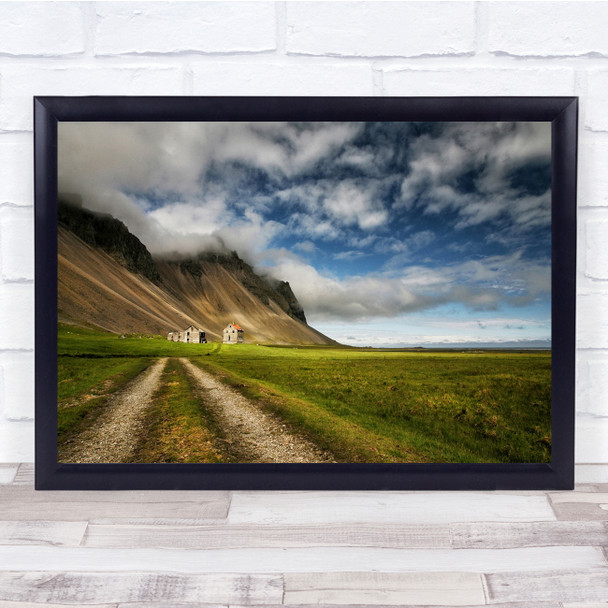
(178, 549)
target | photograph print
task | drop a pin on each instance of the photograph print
(304, 292)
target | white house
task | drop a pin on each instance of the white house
(233, 334)
(191, 334)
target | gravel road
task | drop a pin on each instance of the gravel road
(115, 433)
(253, 435)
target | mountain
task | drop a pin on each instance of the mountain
(107, 278)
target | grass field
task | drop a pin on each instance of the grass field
(177, 429)
(362, 405)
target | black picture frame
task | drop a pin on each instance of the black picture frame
(562, 112)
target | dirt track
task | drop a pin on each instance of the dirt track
(114, 435)
(253, 435)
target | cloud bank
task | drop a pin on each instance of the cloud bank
(366, 220)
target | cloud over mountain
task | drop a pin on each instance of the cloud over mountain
(366, 220)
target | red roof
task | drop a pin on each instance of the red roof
(237, 327)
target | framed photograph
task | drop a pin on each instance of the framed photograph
(305, 293)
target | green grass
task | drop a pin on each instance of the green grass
(84, 342)
(80, 376)
(411, 406)
(93, 363)
(177, 429)
(363, 405)
(83, 385)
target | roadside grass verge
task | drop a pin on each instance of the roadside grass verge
(177, 429)
(84, 385)
(78, 376)
(361, 405)
(484, 406)
(344, 439)
(78, 341)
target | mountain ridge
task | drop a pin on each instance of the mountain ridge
(116, 284)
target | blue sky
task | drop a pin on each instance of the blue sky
(390, 234)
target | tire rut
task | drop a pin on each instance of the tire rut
(114, 434)
(253, 435)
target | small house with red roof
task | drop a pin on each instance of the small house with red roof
(233, 334)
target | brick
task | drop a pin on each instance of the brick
(380, 29)
(592, 174)
(590, 443)
(16, 441)
(590, 474)
(281, 79)
(16, 169)
(478, 81)
(17, 394)
(163, 27)
(17, 243)
(544, 29)
(17, 316)
(592, 320)
(592, 384)
(20, 83)
(44, 29)
(596, 100)
(596, 241)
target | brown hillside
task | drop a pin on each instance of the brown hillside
(96, 289)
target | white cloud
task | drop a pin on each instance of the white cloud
(477, 284)
(353, 203)
(492, 151)
(159, 179)
(424, 329)
(305, 247)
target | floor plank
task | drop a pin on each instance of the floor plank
(150, 549)
(331, 559)
(567, 585)
(398, 605)
(20, 502)
(55, 533)
(297, 508)
(446, 588)
(245, 536)
(10, 604)
(579, 497)
(529, 534)
(99, 588)
(583, 511)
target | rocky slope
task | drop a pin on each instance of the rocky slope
(108, 279)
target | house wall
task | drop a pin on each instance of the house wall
(192, 336)
(232, 336)
(300, 48)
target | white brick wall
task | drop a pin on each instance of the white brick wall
(300, 48)
(546, 29)
(204, 27)
(16, 167)
(16, 252)
(305, 78)
(22, 80)
(595, 115)
(42, 29)
(482, 80)
(380, 29)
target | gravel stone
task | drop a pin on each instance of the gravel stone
(254, 435)
(115, 433)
